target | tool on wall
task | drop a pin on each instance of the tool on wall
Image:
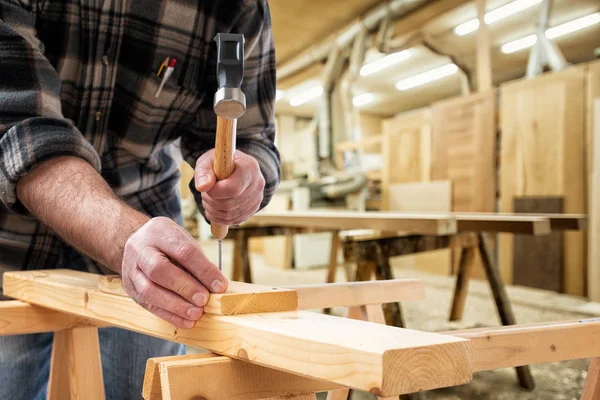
(229, 105)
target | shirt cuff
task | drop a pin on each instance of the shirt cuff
(31, 142)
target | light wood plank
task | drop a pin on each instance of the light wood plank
(241, 298)
(437, 224)
(75, 367)
(19, 318)
(151, 389)
(353, 294)
(222, 378)
(591, 389)
(594, 207)
(421, 197)
(384, 360)
(341, 294)
(519, 345)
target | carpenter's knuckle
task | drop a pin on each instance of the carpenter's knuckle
(185, 252)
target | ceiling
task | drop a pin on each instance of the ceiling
(576, 47)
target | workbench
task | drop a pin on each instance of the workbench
(400, 234)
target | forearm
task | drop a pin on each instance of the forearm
(68, 195)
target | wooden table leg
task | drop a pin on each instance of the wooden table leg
(591, 388)
(502, 303)
(467, 259)
(75, 366)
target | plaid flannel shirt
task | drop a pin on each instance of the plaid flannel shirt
(78, 77)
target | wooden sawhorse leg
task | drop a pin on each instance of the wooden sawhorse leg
(333, 256)
(501, 299)
(76, 368)
(591, 389)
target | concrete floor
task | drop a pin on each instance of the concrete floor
(556, 381)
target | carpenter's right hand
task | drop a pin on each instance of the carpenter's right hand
(165, 271)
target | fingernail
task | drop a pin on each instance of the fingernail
(188, 324)
(201, 180)
(218, 286)
(194, 313)
(200, 299)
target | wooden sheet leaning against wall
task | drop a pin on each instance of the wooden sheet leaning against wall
(542, 154)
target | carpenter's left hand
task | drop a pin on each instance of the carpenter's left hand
(232, 200)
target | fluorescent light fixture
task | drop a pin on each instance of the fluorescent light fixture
(363, 99)
(427, 77)
(495, 15)
(573, 26)
(384, 62)
(279, 94)
(306, 96)
(552, 33)
(519, 44)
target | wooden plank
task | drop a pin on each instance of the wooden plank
(222, 378)
(484, 50)
(542, 153)
(436, 224)
(241, 298)
(341, 294)
(75, 367)
(151, 389)
(352, 294)
(593, 275)
(359, 355)
(591, 388)
(481, 222)
(538, 260)
(420, 197)
(519, 345)
(19, 318)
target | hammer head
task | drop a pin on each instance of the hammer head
(230, 101)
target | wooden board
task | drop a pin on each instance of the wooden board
(593, 276)
(406, 150)
(318, 296)
(542, 154)
(464, 150)
(19, 318)
(222, 378)
(384, 360)
(538, 260)
(427, 223)
(241, 298)
(591, 389)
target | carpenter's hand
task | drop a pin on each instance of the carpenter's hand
(233, 200)
(165, 271)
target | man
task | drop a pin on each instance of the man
(89, 159)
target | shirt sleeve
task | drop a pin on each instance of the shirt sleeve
(32, 126)
(256, 128)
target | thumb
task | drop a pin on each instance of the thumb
(204, 175)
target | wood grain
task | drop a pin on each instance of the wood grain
(542, 154)
(593, 275)
(519, 345)
(151, 389)
(222, 378)
(224, 161)
(538, 260)
(240, 298)
(427, 223)
(19, 318)
(75, 367)
(591, 388)
(384, 360)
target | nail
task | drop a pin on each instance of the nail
(200, 299)
(194, 313)
(188, 324)
(218, 286)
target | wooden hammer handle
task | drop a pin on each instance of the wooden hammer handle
(224, 164)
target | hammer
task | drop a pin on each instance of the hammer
(229, 105)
